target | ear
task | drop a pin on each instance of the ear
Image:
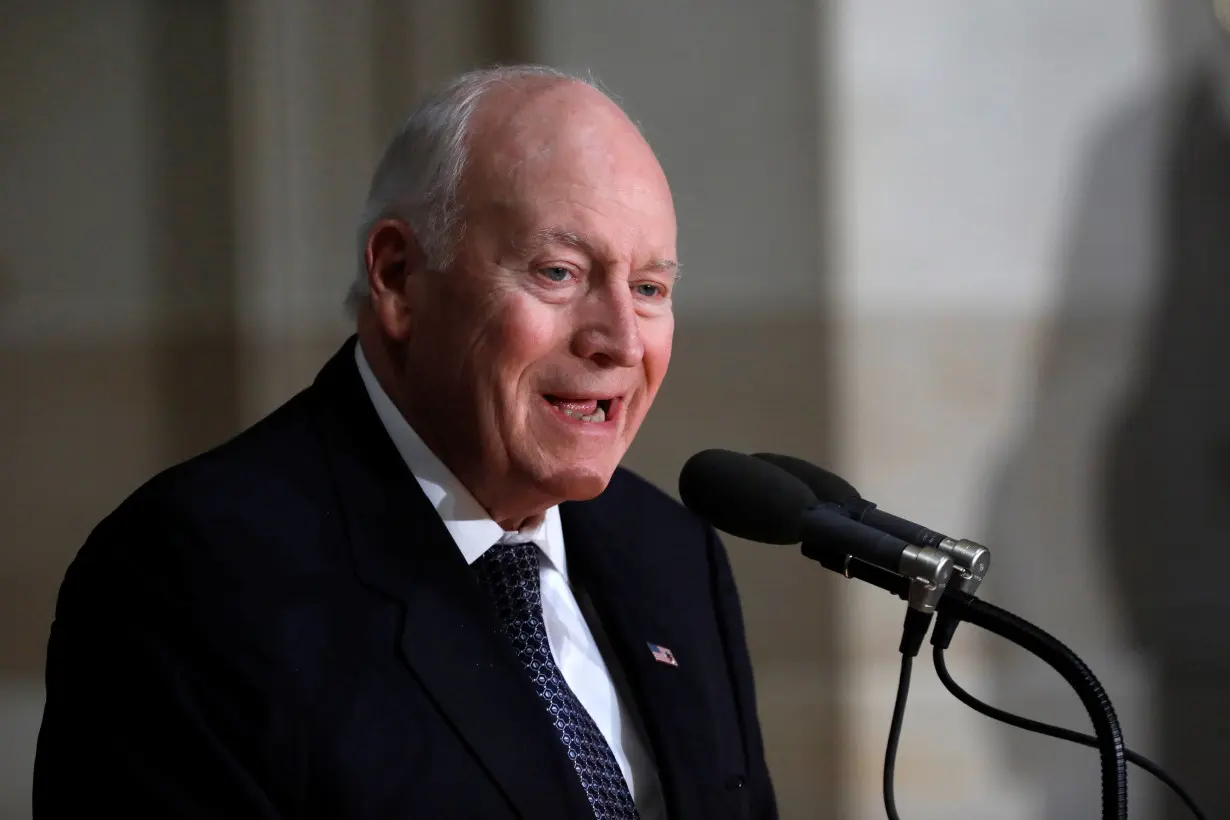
(392, 256)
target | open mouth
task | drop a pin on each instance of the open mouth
(593, 411)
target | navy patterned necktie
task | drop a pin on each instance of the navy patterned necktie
(509, 573)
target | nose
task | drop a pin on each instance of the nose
(610, 333)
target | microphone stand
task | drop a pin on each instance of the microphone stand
(1111, 748)
(956, 605)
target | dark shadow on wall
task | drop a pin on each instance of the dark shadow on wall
(1166, 471)
(478, 33)
(1111, 513)
(508, 31)
(196, 345)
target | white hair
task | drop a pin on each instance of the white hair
(418, 178)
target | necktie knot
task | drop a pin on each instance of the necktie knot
(509, 572)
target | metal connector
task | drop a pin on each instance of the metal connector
(972, 561)
(929, 571)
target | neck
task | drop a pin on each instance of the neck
(513, 511)
(516, 525)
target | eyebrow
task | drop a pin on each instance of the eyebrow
(556, 236)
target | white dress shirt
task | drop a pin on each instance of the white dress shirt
(573, 646)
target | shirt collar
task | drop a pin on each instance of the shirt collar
(470, 525)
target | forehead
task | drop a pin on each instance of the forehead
(566, 156)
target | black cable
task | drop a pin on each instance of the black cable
(894, 735)
(941, 669)
(955, 605)
(913, 633)
(1074, 671)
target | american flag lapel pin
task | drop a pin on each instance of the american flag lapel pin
(663, 655)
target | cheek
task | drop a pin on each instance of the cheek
(657, 340)
(525, 334)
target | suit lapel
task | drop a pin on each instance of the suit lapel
(449, 637)
(634, 607)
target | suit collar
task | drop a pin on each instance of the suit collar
(449, 637)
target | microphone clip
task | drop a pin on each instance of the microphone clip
(921, 577)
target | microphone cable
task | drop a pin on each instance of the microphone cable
(894, 737)
(913, 633)
(941, 671)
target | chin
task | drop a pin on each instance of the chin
(577, 482)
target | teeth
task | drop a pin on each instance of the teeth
(597, 415)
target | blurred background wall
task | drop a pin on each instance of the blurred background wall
(970, 255)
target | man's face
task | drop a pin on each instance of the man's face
(534, 358)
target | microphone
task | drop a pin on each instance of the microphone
(754, 499)
(778, 499)
(971, 559)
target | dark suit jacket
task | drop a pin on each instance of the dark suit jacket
(283, 628)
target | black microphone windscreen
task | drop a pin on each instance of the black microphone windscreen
(828, 488)
(745, 496)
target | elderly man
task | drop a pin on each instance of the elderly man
(423, 587)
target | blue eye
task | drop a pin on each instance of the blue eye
(555, 273)
(649, 290)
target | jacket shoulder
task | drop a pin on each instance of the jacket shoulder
(262, 468)
(631, 497)
(248, 511)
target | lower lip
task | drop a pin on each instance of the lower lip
(612, 416)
